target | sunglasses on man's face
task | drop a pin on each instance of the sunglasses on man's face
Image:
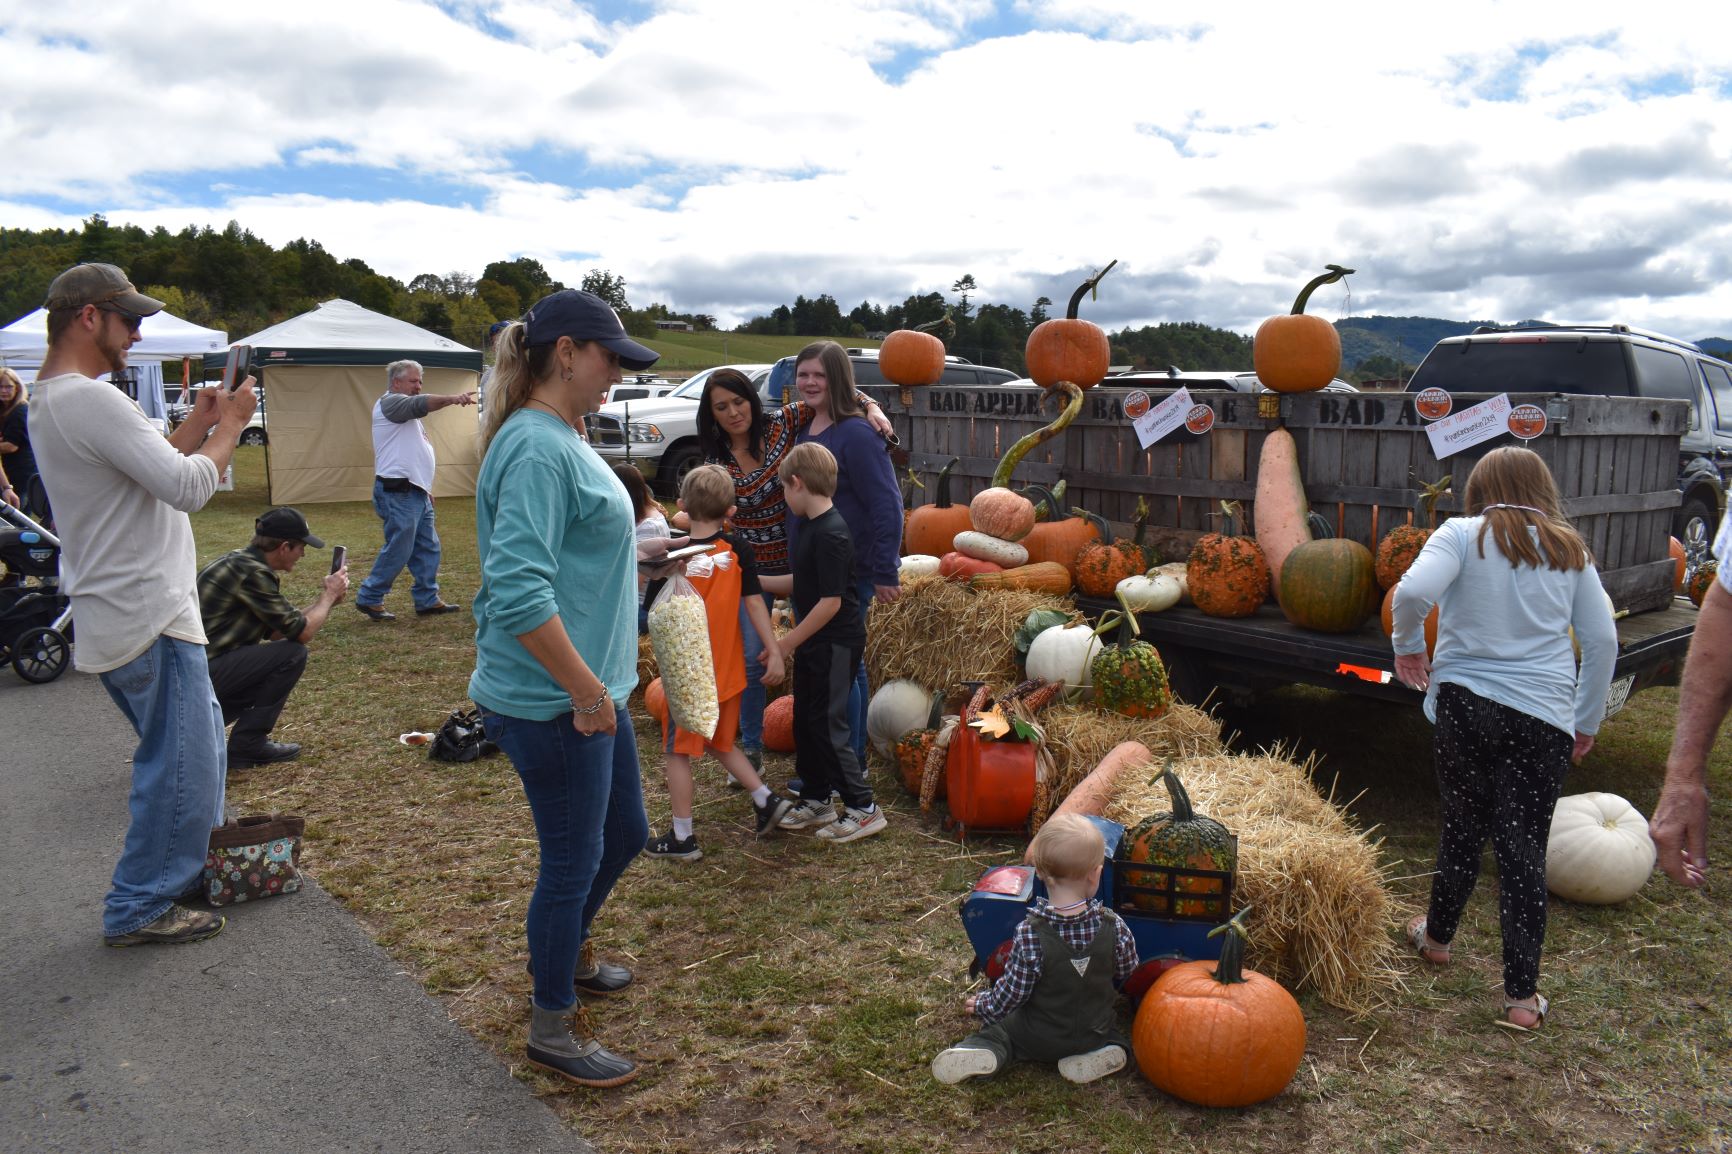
(133, 320)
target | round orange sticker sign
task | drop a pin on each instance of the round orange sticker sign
(1433, 403)
(1200, 419)
(1527, 421)
(1136, 404)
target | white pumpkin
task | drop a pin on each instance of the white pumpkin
(896, 707)
(1149, 592)
(980, 546)
(1600, 852)
(1064, 654)
(917, 565)
(1178, 571)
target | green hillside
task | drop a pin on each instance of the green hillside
(685, 353)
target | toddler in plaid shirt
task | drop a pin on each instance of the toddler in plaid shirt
(1069, 956)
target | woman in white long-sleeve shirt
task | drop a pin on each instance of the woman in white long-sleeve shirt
(1512, 708)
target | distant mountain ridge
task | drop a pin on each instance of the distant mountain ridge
(1408, 339)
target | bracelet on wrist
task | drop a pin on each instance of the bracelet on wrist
(593, 707)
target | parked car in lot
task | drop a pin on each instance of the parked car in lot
(864, 362)
(1613, 361)
(641, 387)
(1241, 382)
(659, 434)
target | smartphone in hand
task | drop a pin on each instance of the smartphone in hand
(339, 554)
(235, 369)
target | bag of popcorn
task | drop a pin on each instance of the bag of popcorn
(679, 632)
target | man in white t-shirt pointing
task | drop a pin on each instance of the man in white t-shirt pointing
(122, 493)
(403, 494)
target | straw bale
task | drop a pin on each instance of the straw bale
(1079, 736)
(1320, 907)
(942, 633)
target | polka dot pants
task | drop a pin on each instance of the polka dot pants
(1499, 772)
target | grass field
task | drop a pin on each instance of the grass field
(684, 353)
(790, 994)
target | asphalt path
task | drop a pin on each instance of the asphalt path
(291, 1029)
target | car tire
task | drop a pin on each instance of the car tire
(1697, 521)
(253, 437)
(675, 464)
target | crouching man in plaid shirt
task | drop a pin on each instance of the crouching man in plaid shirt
(242, 603)
(1068, 958)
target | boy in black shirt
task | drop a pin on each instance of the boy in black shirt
(828, 643)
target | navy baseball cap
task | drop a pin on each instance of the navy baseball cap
(286, 524)
(584, 317)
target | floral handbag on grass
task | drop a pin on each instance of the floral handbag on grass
(253, 858)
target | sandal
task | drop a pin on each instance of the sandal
(1538, 1010)
(1435, 955)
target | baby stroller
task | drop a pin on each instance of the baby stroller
(35, 616)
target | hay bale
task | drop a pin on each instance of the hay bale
(1320, 908)
(942, 633)
(1079, 736)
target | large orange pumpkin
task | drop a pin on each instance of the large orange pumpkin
(1217, 1034)
(1680, 561)
(911, 357)
(1069, 349)
(1329, 585)
(655, 701)
(1388, 618)
(779, 724)
(930, 529)
(1296, 353)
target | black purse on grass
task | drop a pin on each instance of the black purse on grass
(461, 738)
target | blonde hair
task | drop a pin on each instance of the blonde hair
(813, 464)
(1510, 489)
(707, 493)
(1067, 847)
(9, 377)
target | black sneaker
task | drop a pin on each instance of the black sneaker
(669, 846)
(771, 812)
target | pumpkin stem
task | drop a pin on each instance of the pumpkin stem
(1428, 499)
(1183, 811)
(1045, 506)
(1100, 523)
(910, 482)
(1230, 512)
(1013, 457)
(1335, 273)
(1231, 968)
(943, 328)
(1109, 621)
(1088, 286)
(1130, 618)
(1321, 529)
(942, 499)
(1142, 520)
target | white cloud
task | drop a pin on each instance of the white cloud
(1487, 161)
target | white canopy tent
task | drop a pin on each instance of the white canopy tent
(322, 371)
(163, 337)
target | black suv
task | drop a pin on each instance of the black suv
(1613, 361)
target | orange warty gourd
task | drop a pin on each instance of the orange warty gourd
(1217, 1034)
(1328, 585)
(779, 724)
(1388, 619)
(1701, 581)
(1296, 353)
(911, 357)
(1401, 546)
(655, 701)
(1069, 349)
(930, 529)
(1226, 575)
(1002, 513)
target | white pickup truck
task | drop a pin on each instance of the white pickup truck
(659, 434)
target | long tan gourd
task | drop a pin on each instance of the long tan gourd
(1282, 511)
(1091, 795)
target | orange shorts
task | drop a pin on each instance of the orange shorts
(677, 740)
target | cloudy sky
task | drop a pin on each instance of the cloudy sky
(1471, 160)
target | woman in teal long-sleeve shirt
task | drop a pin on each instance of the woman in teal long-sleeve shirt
(556, 650)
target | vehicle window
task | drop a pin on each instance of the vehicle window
(1663, 373)
(1720, 387)
(956, 376)
(991, 376)
(1526, 365)
(866, 372)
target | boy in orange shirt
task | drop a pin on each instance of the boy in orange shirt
(724, 577)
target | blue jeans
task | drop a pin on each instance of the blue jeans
(587, 799)
(177, 780)
(861, 694)
(753, 698)
(410, 539)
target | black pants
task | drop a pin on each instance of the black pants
(252, 685)
(1499, 772)
(823, 743)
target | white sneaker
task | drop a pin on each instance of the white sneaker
(961, 1062)
(806, 814)
(855, 824)
(1094, 1064)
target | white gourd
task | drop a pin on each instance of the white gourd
(1064, 654)
(917, 565)
(896, 707)
(1178, 571)
(1600, 852)
(1149, 592)
(980, 546)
